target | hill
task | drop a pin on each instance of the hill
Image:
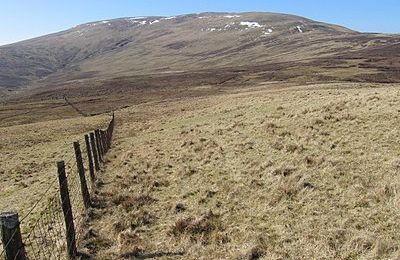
(134, 46)
(238, 136)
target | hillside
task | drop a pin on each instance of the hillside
(237, 136)
(308, 172)
(146, 45)
(268, 172)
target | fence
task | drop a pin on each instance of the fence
(56, 220)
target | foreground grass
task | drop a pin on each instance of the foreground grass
(303, 172)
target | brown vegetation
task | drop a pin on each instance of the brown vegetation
(305, 172)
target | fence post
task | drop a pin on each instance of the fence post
(107, 134)
(98, 143)
(106, 139)
(102, 141)
(95, 152)
(81, 171)
(90, 160)
(103, 137)
(11, 236)
(67, 210)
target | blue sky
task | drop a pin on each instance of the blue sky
(24, 19)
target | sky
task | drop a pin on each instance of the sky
(24, 19)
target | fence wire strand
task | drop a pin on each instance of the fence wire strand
(43, 228)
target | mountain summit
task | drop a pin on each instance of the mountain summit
(147, 45)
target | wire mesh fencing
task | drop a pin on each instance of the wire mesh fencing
(55, 224)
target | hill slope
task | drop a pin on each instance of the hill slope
(143, 45)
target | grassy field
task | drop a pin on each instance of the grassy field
(269, 172)
(28, 156)
(307, 172)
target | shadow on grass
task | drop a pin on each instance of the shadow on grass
(143, 255)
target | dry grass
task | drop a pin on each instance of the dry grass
(306, 173)
(28, 155)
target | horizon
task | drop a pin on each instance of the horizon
(44, 17)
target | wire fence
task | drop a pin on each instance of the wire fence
(54, 225)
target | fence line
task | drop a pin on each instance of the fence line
(74, 107)
(57, 228)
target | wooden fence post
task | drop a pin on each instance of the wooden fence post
(67, 210)
(81, 171)
(103, 135)
(11, 237)
(106, 136)
(102, 144)
(106, 139)
(98, 143)
(95, 152)
(103, 141)
(90, 160)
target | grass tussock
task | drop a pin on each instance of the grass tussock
(196, 227)
(129, 202)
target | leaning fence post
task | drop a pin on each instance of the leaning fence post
(67, 210)
(11, 236)
(95, 153)
(81, 171)
(90, 159)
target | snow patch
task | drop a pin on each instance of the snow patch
(228, 26)
(137, 18)
(299, 29)
(231, 16)
(99, 23)
(139, 22)
(210, 30)
(155, 21)
(251, 24)
(267, 32)
(168, 18)
(236, 26)
(203, 17)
